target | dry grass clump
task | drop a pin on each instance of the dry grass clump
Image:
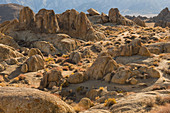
(109, 102)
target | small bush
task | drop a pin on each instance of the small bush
(109, 102)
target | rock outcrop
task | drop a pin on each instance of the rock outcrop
(7, 40)
(64, 43)
(34, 63)
(46, 47)
(77, 25)
(116, 18)
(9, 26)
(139, 22)
(34, 51)
(103, 65)
(75, 57)
(134, 48)
(92, 12)
(17, 100)
(7, 52)
(52, 78)
(163, 18)
(46, 21)
(26, 19)
(76, 78)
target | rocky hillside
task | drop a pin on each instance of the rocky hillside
(125, 6)
(83, 63)
(9, 11)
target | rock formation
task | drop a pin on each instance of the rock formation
(52, 78)
(77, 25)
(34, 63)
(45, 47)
(116, 18)
(163, 18)
(134, 48)
(46, 21)
(7, 40)
(16, 100)
(26, 19)
(103, 65)
(7, 52)
(139, 22)
(92, 12)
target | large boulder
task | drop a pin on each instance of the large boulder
(9, 26)
(77, 25)
(7, 40)
(34, 51)
(46, 21)
(96, 19)
(121, 76)
(105, 18)
(103, 65)
(26, 100)
(116, 18)
(76, 78)
(26, 19)
(139, 22)
(51, 78)
(64, 43)
(34, 63)
(75, 57)
(7, 52)
(92, 12)
(45, 47)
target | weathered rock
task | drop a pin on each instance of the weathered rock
(151, 71)
(93, 93)
(92, 12)
(144, 51)
(46, 21)
(116, 18)
(52, 78)
(133, 81)
(11, 61)
(7, 40)
(7, 52)
(77, 25)
(105, 18)
(101, 67)
(26, 19)
(34, 51)
(45, 47)
(64, 43)
(86, 103)
(154, 73)
(158, 48)
(107, 78)
(96, 19)
(75, 57)
(34, 63)
(134, 48)
(17, 100)
(9, 26)
(76, 78)
(121, 76)
(163, 18)
(139, 22)
(24, 68)
(2, 68)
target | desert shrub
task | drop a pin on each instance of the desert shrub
(109, 102)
